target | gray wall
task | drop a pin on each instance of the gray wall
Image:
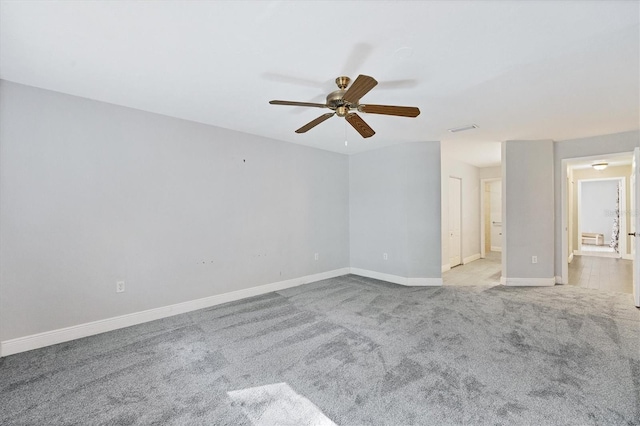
(92, 193)
(584, 147)
(395, 209)
(528, 203)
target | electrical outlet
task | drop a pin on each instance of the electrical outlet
(119, 286)
(534, 259)
(385, 256)
(316, 256)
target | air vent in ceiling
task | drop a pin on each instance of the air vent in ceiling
(463, 128)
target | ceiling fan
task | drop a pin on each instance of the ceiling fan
(344, 100)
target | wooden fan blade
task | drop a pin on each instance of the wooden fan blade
(304, 104)
(310, 125)
(359, 124)
(359, 88)
(402, 111)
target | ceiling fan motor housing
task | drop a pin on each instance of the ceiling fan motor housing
(335, 99)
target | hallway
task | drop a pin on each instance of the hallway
(485, 271)
(601, 273)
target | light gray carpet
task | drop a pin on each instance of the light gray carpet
(362, 351)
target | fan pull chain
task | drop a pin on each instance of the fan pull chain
(346, 143)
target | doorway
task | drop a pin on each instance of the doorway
(455, 221)
(601, 223)
(491, 217)
(589, 257)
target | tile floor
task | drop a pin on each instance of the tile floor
(485, 271)
(601, 273)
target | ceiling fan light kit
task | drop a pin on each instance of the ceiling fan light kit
(344, 101)
(600, 166)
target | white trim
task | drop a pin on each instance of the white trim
(505, 218)
(528, 282)
(461, 248)
(483, 237)
(598, 254)
(559, 279)
(471, 258)
(423, 282)
(570, 258)
(446, 267)
(47, 338)
(627, 257)
(495, 248)
(396, 279)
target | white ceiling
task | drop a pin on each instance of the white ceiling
(519, 70)
(613, 160)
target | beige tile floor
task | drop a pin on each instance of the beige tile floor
(601, 273)
(485, 271)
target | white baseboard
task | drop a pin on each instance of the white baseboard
(570, 258)
(471, 258)
(559, 279)
(424, 282)
(597, 254)
(48, 338)
(496, 248)
(627, 257)
(396, 279)
(446, 267)
(528, 282)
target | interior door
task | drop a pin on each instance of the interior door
(455, 219)
(496, 215)
(635, 224)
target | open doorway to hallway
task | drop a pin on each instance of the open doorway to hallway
(491, 216)
(488, 269)
(601, 228)
(596, 200)
(455, 221)
(485, 271)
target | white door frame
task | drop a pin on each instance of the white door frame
(449, 223)
(483, 237)
(563, 205)
(635, 225)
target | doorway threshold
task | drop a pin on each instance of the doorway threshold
(597, 254)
